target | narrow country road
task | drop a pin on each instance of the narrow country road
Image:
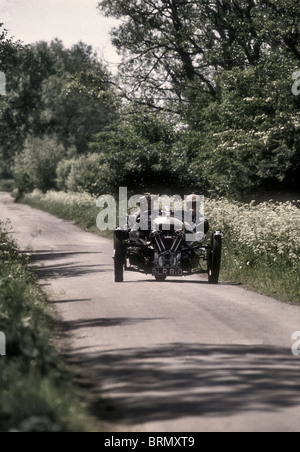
(182, 356)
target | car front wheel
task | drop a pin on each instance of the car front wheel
(215, 257)
(119, 260)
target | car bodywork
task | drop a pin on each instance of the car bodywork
(163, 249)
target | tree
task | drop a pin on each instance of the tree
(36, 166)
(171, 45)
(248, 139)
(173, 49)
(8, 48)
(136, 152)
(40, 101)
(70, 114)
(282, 27)
(83, 174)
(225, 67)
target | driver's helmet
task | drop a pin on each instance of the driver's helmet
(192, 203)
(145, 203)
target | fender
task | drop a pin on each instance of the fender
(121, 234)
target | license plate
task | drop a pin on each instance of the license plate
(167, 272)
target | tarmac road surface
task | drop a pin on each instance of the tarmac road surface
(179, 356)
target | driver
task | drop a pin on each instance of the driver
(192, 204)
(142, 216)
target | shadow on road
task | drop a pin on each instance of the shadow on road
(70, 269)
(105, 323)
(180, 281)
(83, 300)
(45, 255)
(188, 380)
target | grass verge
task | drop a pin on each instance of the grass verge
(261, 245)
(77, 207)
(36, 389)
(261, 242)
(7, 185)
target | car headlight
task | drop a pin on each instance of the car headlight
(200, 237)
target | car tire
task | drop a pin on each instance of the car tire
(119, 260)
(214, 265)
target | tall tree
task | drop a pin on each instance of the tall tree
(172, 48)
(8, 47)
(282, 25)
(41, 102)
(8, 51)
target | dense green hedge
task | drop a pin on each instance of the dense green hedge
(36, 393)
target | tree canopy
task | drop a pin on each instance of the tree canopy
(225, 68)
(42, 101)
(171, 48)
(203, 101)
(8, 47)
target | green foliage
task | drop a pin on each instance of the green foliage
(78, 207)
(84, 174)
(63, 171)
(261, 245)
(36, 393)
(8, 47)
(174, 48)
(36, 166)
(207, 101)
(225, 68)
(136, 153)
(41, 99)
(8, 50)
(247, 139)
(280, 23)
(7, 185)
(73, 116)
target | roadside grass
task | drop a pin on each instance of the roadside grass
(36, 389)
(7, 185)
(261, 242)
(279, 281)
(77, 207)
(261, 245)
